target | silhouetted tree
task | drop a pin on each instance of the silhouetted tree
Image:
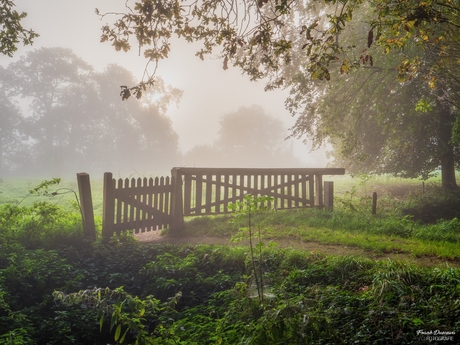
(11, 130)
(48, 79)
(248, 137)
(76, 121)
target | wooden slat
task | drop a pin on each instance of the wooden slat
(108, 206)
(234, 196)
(187, 194)
(226, 192)
(119, 202)
(311, 190)
(137, 196)
(262, 184)
(198, 194)
(149, 204)
(217, 194)
(296, 193)
(271, 204)
(130, 193)
(207, 203)
(156, 197)
(123, 191)
(280, 190)
(161, 203)
(167, 208)
(304, 194)
(241, 188)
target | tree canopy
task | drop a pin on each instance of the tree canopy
(265, 37)
(412, 45)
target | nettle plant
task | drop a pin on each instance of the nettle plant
(244, 212)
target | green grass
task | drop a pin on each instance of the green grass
(388, 232)
(17, 192)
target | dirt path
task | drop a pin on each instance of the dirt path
(425, 261)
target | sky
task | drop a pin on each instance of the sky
(209, 92)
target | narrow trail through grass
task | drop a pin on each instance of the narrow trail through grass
(313, 247)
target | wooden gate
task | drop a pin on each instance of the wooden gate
(207, 191)
(135, 204)
(153, 204)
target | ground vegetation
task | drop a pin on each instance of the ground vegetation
(58, 288)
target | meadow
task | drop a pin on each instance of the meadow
(57, 287)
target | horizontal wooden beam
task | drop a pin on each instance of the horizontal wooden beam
(259, 171)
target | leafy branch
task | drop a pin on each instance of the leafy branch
(127, 313)
(11, 30)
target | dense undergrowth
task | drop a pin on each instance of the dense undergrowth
(58, 288)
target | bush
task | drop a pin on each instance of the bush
(42, 225)
(434, 205)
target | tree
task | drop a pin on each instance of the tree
(286, 41)
(379, 125)
(248, 137)
(11, 130)
(138, 133)
(75, 121)
(50, 78)
(11, 30)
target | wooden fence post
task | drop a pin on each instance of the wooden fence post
(177, 211)
(374, 203)
(108, 206)
(319, 190)
(329, 195)
(86, 205)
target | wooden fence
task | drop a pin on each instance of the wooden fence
(152, 204)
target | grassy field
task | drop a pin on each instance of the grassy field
(351, 224)
(17, 192)
(393, 230)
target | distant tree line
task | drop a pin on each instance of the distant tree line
(248, 137)
(59, 116)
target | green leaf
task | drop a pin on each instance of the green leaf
(101, 322)
(117, 333)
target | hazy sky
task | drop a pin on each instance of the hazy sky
(209, 91)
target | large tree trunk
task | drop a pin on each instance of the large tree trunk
(446, 149)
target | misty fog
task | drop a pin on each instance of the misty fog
(88, 128)
(59, 116)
